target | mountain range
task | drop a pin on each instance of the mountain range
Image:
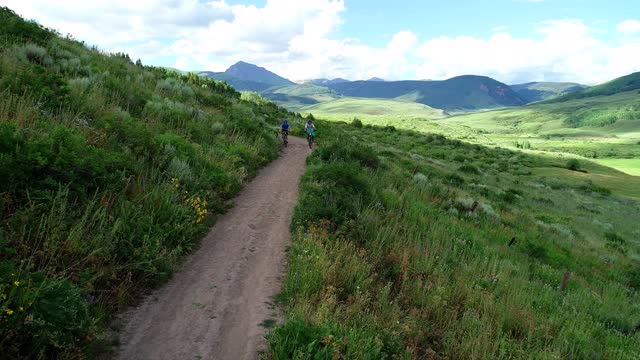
(462, 93)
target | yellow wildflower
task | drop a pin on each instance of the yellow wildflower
(16, 283)
(21, 309)
(9, 312)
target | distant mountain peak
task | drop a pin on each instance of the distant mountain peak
(248, 77)
(250, 72)
(376, 79)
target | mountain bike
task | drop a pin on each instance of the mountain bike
(285, 138)
(310, 138)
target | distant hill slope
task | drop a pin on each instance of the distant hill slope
(602, 126)
(461, 93)
(359, 107)
(325, 82)
(622, 84)
(294, 97)
(248, 77)
(538, 91)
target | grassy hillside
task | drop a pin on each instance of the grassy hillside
(415, 246)
(459, 93)
(110, 172)
(538, 91)
(623, 84)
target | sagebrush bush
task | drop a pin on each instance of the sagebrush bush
(36, 54)
(174, 87)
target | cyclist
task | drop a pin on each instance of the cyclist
(284, 127)
(310, 129)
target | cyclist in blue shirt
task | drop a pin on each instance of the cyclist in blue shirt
(285, 127)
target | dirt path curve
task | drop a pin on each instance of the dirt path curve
(214, 305)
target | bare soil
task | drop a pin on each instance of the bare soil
(218, 305)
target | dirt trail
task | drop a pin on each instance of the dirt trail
(214, 305)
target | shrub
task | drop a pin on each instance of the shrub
(36, 54)
(574, 165)
(122, 131)
(297, 338)
(54, 159)
(51, 312)
(173, 87)
(459, 158)
(173, 114)
(589, 186)
(614, 238)
(357, 123)
(633, 276)
(47, 87)
(332, 191)
(343, 150)
(454, 180)
(510, 195)
(535, 251)
(420, 179)
(469, 169)
(489, 212)
(615, 242)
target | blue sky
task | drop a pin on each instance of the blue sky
(513, 41)
(375, 21)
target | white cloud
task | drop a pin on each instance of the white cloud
(565, 51)
(297, 40)
(112, 23)
(629, 26)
